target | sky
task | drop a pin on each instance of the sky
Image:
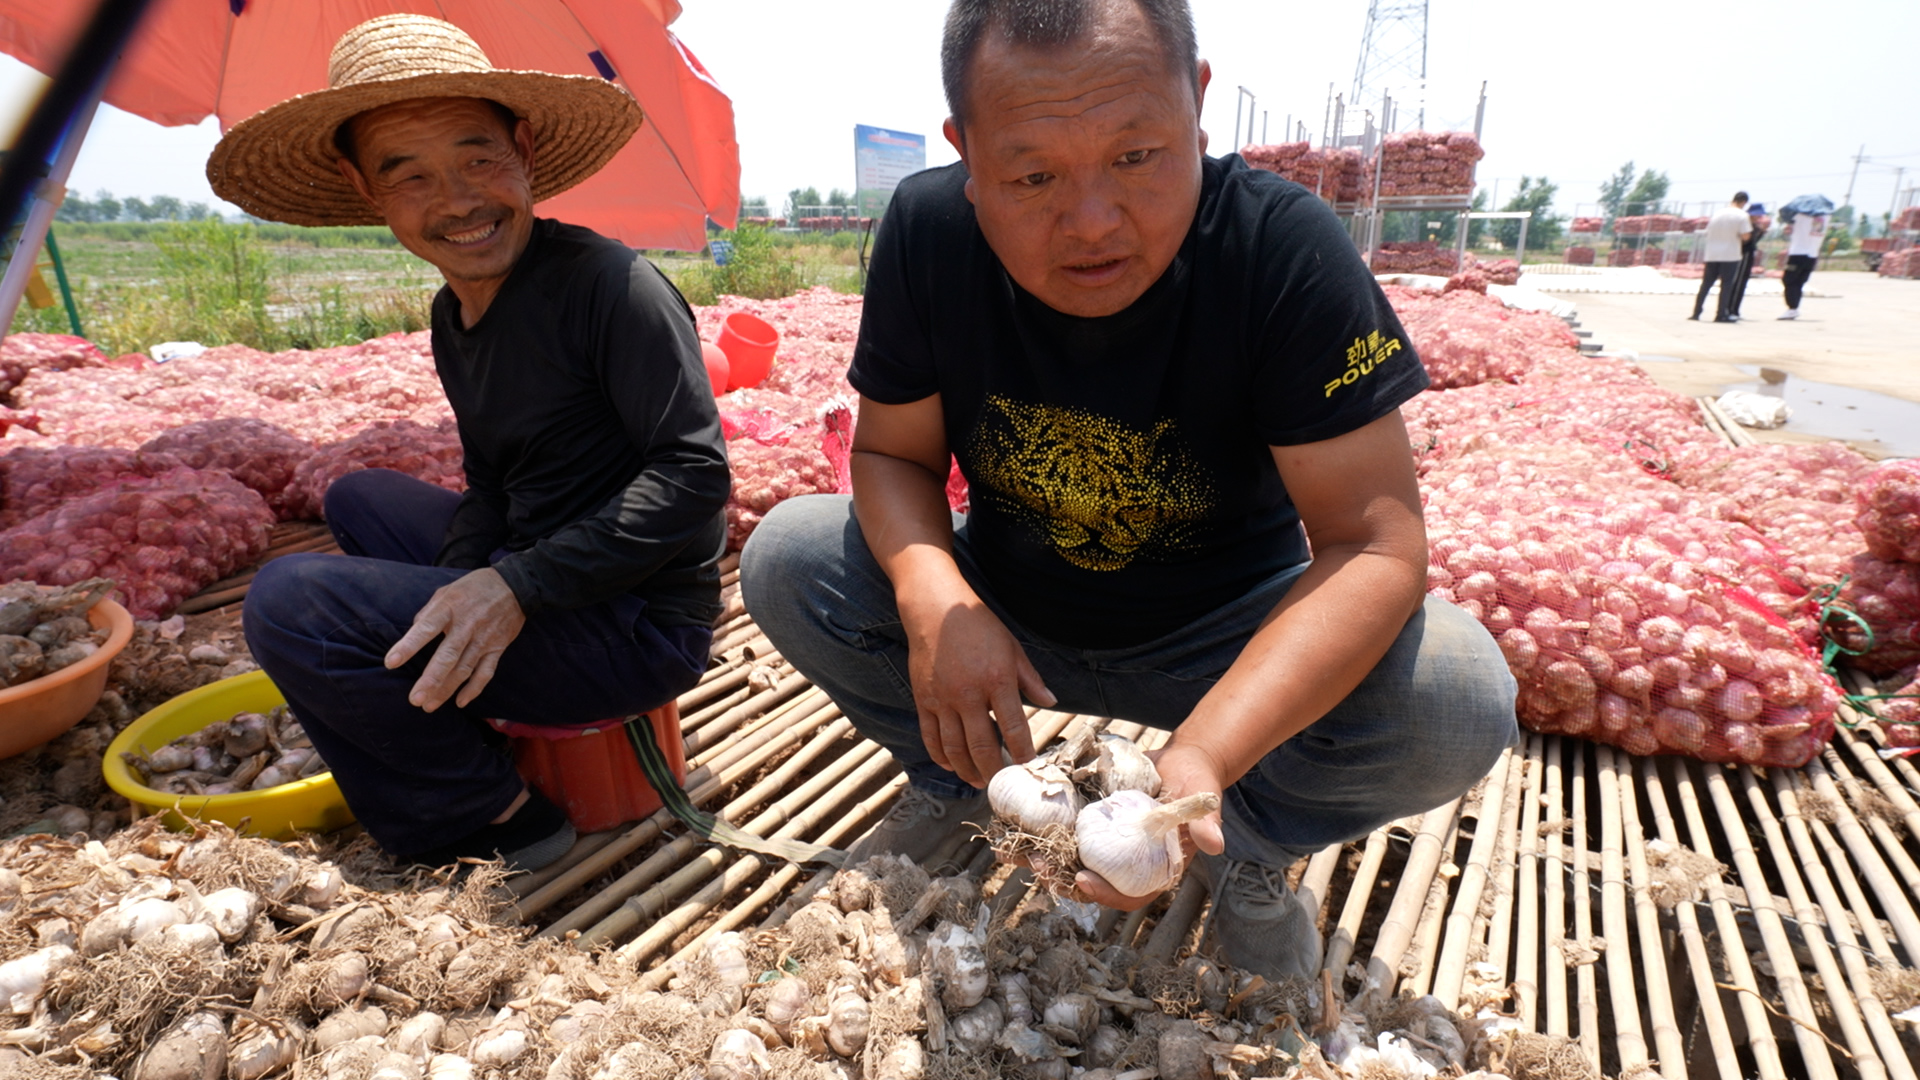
(1774, 96)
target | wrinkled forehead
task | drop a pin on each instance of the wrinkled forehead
(417, 120)
(1117, 62)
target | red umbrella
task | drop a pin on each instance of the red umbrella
(231, 58)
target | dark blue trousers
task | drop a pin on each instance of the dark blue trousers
(321, 626)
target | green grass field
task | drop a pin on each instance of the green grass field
(278, 286)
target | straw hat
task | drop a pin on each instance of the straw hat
(279, 163)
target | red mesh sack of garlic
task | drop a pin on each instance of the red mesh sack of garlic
(23, 354)
(1900, 714)
(1473, 280)
(1886, 596)
(35, 480)
(1901, 264)
(1624, 622)
(260, 455)
(1578, 256)
(766, 475)
(1587, 225)
(427, 453)
(1827, 472)
(1501, 271)
(161, 539)
(1888, 501)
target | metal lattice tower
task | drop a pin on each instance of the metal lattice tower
(1393, 60)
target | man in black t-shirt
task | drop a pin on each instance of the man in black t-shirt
(1168, 379)
(576, 580)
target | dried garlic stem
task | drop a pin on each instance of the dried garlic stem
(1159, 820)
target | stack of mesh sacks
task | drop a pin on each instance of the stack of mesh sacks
(1587, 225)
(1427, 163)
(1415, 257)
(1337, 175)
(1901, 264)
(1632, 608)
(1646, 224)
(1908, 219)
(1578, 255)
(1692, 224)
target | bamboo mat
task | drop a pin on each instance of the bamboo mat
(1550, 888)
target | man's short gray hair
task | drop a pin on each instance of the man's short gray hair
(1050, 24)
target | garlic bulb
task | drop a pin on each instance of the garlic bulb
(727, 952)
(396, 1066)
(957, 956)
(1076, 1013)
(1134, 842)
(127, 922)
(419, 1034)
(786, 1001)
(1018, 995)
(1034, 796)
(973, 1031)
(501, 1044)
(22, 981)
(230, 912)
(193, 1049)
(1123, 766)
(194, 938)
(737, 1055)
(346, 1025)
(449, 1067)
(846, 1020)
(260, 1049)
(906, 1061)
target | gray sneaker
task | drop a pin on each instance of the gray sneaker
(1261, 926)
(921, 825)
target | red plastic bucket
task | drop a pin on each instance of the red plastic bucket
(591, 773)
(718, 367)
(749, 342)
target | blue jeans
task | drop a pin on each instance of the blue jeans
(321, 626)
(1422, 728)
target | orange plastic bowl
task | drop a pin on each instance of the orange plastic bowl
(47, 707)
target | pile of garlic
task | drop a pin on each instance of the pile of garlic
(1090, 803)
(250, 752)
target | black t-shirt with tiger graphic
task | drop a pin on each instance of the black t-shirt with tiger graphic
(1122, 479)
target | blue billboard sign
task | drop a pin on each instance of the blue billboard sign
(882, 158)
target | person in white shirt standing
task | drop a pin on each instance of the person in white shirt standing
(1805, 234)
(1726, 233)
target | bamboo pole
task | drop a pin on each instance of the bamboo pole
(584, 847)
(1506, 855)
(1585, 979)
(1171, 931)
(1130, 926)
(1527, 951)
(1346, 932)
(762, 702)
(1669, 1046)
(1318, 879)
(1726, 1058)
(841, 778)
(1815, 1057)
(1870, 927)
(1766, 1049)
(671, 924)
(1451, 969)
(1883, 778)
(657, 977)
(702, 784)
(1893, 901)
(706, 742)
(1627, 1036)
(1813, 932)
(604, 903)
(1853, 960)
(1553, 957)
(1426, 936)
(1409, 900)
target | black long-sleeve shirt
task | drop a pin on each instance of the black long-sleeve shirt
(593, 448)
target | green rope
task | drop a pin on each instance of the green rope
(704, 825)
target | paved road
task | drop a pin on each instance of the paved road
(1864, 333)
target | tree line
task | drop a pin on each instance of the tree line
(104, 206)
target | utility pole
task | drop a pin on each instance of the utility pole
(1857, 159)
(1898, 173)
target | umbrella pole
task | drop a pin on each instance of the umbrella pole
(43, 155)
(46, 198)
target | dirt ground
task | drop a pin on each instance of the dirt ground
(1863, 332)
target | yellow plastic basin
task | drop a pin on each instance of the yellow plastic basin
(277, 813)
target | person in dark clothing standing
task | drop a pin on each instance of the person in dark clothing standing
(1728, 230)
(1750, 253)
(577, 578)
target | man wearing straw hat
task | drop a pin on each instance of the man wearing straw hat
(577, 578)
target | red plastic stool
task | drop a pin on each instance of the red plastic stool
(590, 770)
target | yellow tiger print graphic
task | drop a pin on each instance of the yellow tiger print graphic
(1100, 492)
